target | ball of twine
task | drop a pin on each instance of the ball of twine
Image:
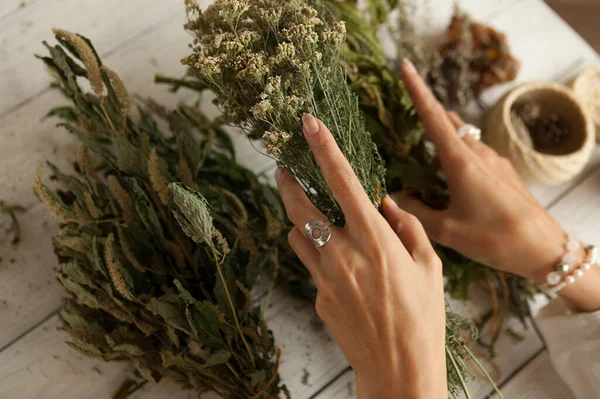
(506, 134)
(586, 87)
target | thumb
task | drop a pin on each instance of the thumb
(434, 221)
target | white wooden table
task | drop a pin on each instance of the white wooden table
(139, 38)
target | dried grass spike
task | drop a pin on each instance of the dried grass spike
(127, 251)
(82, 157)
(87, 56)
(222, 242)
(156, 177)
(186, 173)
(91, 206)
(119, 87)
(80, 215)
(249, 301)
(113, 269)
(55, 208)
(123, 198)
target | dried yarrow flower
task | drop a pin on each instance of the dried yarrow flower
(270, 61)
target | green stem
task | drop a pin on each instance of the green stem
(484, 371)
(458, 373)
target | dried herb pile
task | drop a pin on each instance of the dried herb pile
(159, 272)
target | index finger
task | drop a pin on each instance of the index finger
(338, 173)
(438, 127)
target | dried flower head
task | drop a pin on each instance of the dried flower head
(270, 61)
(87, 57)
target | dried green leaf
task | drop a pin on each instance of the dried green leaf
(192, 213)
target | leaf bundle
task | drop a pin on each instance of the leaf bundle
(159, 272)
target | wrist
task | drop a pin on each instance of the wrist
(423, 381)
(539, 246)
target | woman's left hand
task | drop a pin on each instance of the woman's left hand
(379, 281)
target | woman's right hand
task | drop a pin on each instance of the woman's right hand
(492, 217)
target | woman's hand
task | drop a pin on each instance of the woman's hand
(492, 217)
(380, 287)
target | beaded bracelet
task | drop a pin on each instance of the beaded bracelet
(555, 280)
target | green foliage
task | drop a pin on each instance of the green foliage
(160, 273)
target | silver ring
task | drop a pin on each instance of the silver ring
(469, 130)
(317, 232)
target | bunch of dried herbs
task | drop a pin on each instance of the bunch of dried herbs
(157, 272)
(270, 61)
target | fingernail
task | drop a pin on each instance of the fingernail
(408, 66)
(310, 126)
(388, 204)
(279, 174)
(390, 200)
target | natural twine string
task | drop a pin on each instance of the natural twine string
(505, 135)
(586, 87)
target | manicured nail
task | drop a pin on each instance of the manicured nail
(309, 125)
(279, 174)
(391, 201)
(409, 67)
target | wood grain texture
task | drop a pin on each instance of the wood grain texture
(536, 381)
(42, 366)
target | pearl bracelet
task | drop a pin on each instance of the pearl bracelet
(555, 280)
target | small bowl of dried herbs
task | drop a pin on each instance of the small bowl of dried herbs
(544, 130)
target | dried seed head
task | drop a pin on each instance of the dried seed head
(127, 251)
(80, 215)
(91, 206)
(82, 157)
(186, 173)
(55, 208)
(123, 198)
(246, 293)
(87, 57)
(119, 88)
(156, 178)
(273, 224)
(222, 242)
(114, 270)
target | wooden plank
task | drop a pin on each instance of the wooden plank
(26, 272)
(537, 380)
(579, 210)
(9, 7)
(41, 365)
(110, 23)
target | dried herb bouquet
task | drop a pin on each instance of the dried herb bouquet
(158, 272)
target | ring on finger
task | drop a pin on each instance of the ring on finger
(318, 232)
(469, 130)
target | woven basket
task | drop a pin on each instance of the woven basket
(586, 87)
(565, 162)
